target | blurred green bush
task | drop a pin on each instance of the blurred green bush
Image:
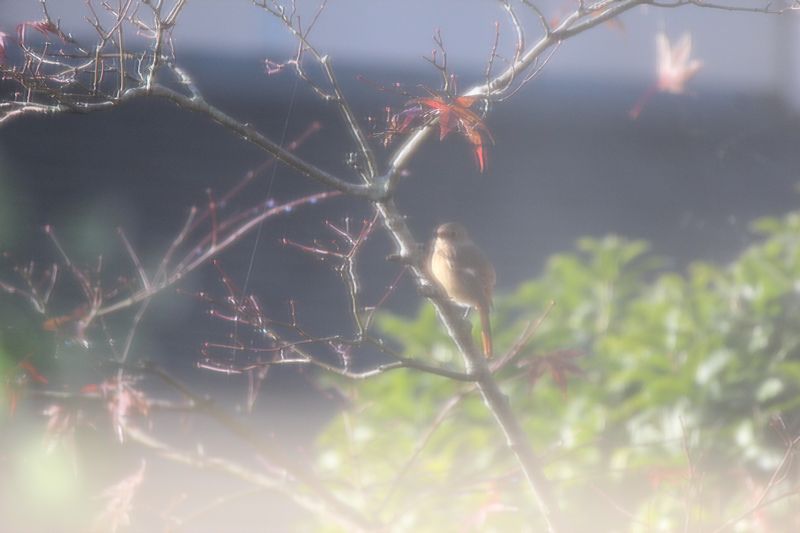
(687, 395)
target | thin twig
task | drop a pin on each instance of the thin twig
(267, 448)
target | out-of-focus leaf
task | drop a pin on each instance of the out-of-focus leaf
(703, 359)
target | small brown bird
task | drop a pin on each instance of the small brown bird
(465, 274)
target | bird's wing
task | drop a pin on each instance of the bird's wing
(473, 264)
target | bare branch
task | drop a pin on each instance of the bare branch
(197, 104)
(542, 18)
(522, 341)
(204, 254)
(292, 23)
(226, 466)
(268, 449)
(134, 259)
(495, 400)
(423, 441)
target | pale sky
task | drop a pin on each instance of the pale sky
(739, 50)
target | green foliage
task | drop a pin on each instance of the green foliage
(682, 373)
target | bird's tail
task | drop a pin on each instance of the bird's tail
(486, 331)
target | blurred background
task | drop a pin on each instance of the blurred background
(688, 176)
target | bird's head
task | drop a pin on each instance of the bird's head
(452, 232)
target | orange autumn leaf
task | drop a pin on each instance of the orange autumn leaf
(32, 372)
(71, 326)
(560, 364)
(57, 323)
(452, 114)
(13, 398)
(46, 27)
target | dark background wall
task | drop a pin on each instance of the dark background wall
(688, 176)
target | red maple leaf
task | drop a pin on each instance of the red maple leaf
(45, 27)
(13, 398)
(119, 502)
(32, 372)
(61, 423)
(122, 401)
(453, 114)
(71, 326)
(15, 384)
(559, 364)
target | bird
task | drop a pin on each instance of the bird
(465, 274)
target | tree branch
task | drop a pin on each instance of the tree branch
(226, 466)
(266, 448)
(198, 104)
(477, 365)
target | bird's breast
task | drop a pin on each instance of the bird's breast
(448, 275)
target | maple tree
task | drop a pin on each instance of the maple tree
(435, 437)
